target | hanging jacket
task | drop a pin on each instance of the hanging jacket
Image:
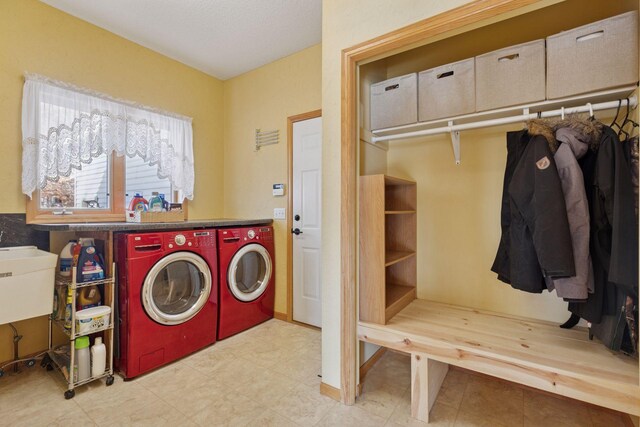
(516, 143)
(614, 230)
(536, 242)
(574, 146)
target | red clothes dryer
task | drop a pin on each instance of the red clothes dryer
(247, 286)
(167, 297)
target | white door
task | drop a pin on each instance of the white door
(307, 179)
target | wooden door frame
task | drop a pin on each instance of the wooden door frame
(396, 41)
(290, 121)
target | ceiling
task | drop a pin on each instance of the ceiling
(223, 38)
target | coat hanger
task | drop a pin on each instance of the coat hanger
(592, 116)
(615, 119)
(624, 122)
(628, 121)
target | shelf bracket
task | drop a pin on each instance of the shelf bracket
(455, 143)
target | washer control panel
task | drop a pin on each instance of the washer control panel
(180, 239)
(251, 234)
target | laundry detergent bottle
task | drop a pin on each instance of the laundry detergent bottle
(88, 297)
(165, 203)
(155, 202)
(66, 259)
(138, 203)
(98, 358)
(82, 359)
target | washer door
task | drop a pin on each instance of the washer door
(176, 288)
(249, 272)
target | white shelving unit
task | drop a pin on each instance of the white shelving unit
(65, 363)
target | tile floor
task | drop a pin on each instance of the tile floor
(268, 376)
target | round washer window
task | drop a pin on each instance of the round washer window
(176, 288)
(249, 272)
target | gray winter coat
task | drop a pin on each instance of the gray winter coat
(574, 146)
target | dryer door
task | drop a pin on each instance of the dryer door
(249, 272)
(176, 288)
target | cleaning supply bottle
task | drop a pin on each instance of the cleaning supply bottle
(155, 202)
(76, 253)
(89, 297)
(68, 308)
(98, 358)
(165, 204)
(66, 259)
(82, 359)
(138, 203)
(90, 265)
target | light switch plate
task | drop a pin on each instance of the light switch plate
(279, 213)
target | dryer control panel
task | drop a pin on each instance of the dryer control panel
(243, 235)
(145, 243)
(190, 239)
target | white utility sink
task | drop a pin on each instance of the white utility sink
(27, 277)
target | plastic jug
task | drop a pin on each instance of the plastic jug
(89, 297)
(155, 203)
(165, 204)
(82, 359)
(138, 203)
(66, 259)
(98, 358)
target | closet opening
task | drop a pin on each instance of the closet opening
(430, 259)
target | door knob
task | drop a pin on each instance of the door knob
(297, 217)
(296, 231)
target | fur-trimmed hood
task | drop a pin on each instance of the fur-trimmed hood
(590, 130)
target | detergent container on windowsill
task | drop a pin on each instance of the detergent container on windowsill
(155, 202)
(138, 203)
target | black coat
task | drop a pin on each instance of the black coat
(614, 229)
(536, 241)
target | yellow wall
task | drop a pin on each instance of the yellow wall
(263, 99)
(39, 39)
(459, 223)
(344, 24)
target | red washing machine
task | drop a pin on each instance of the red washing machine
(247, 284)
(167, 297)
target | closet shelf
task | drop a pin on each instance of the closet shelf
(596, 101)
(394, 257)
(574, 101)
(397, 297)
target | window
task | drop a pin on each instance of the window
(143, 179)
(86, 188)
(85, 155)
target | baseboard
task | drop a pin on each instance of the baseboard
(330, 391)
(366, 366)
(280, 316)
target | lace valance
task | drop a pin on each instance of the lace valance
(64, 127)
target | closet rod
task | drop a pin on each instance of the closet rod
(453, 128)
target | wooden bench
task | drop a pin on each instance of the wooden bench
(531, 352)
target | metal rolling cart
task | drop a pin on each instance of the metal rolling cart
(57, 355)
